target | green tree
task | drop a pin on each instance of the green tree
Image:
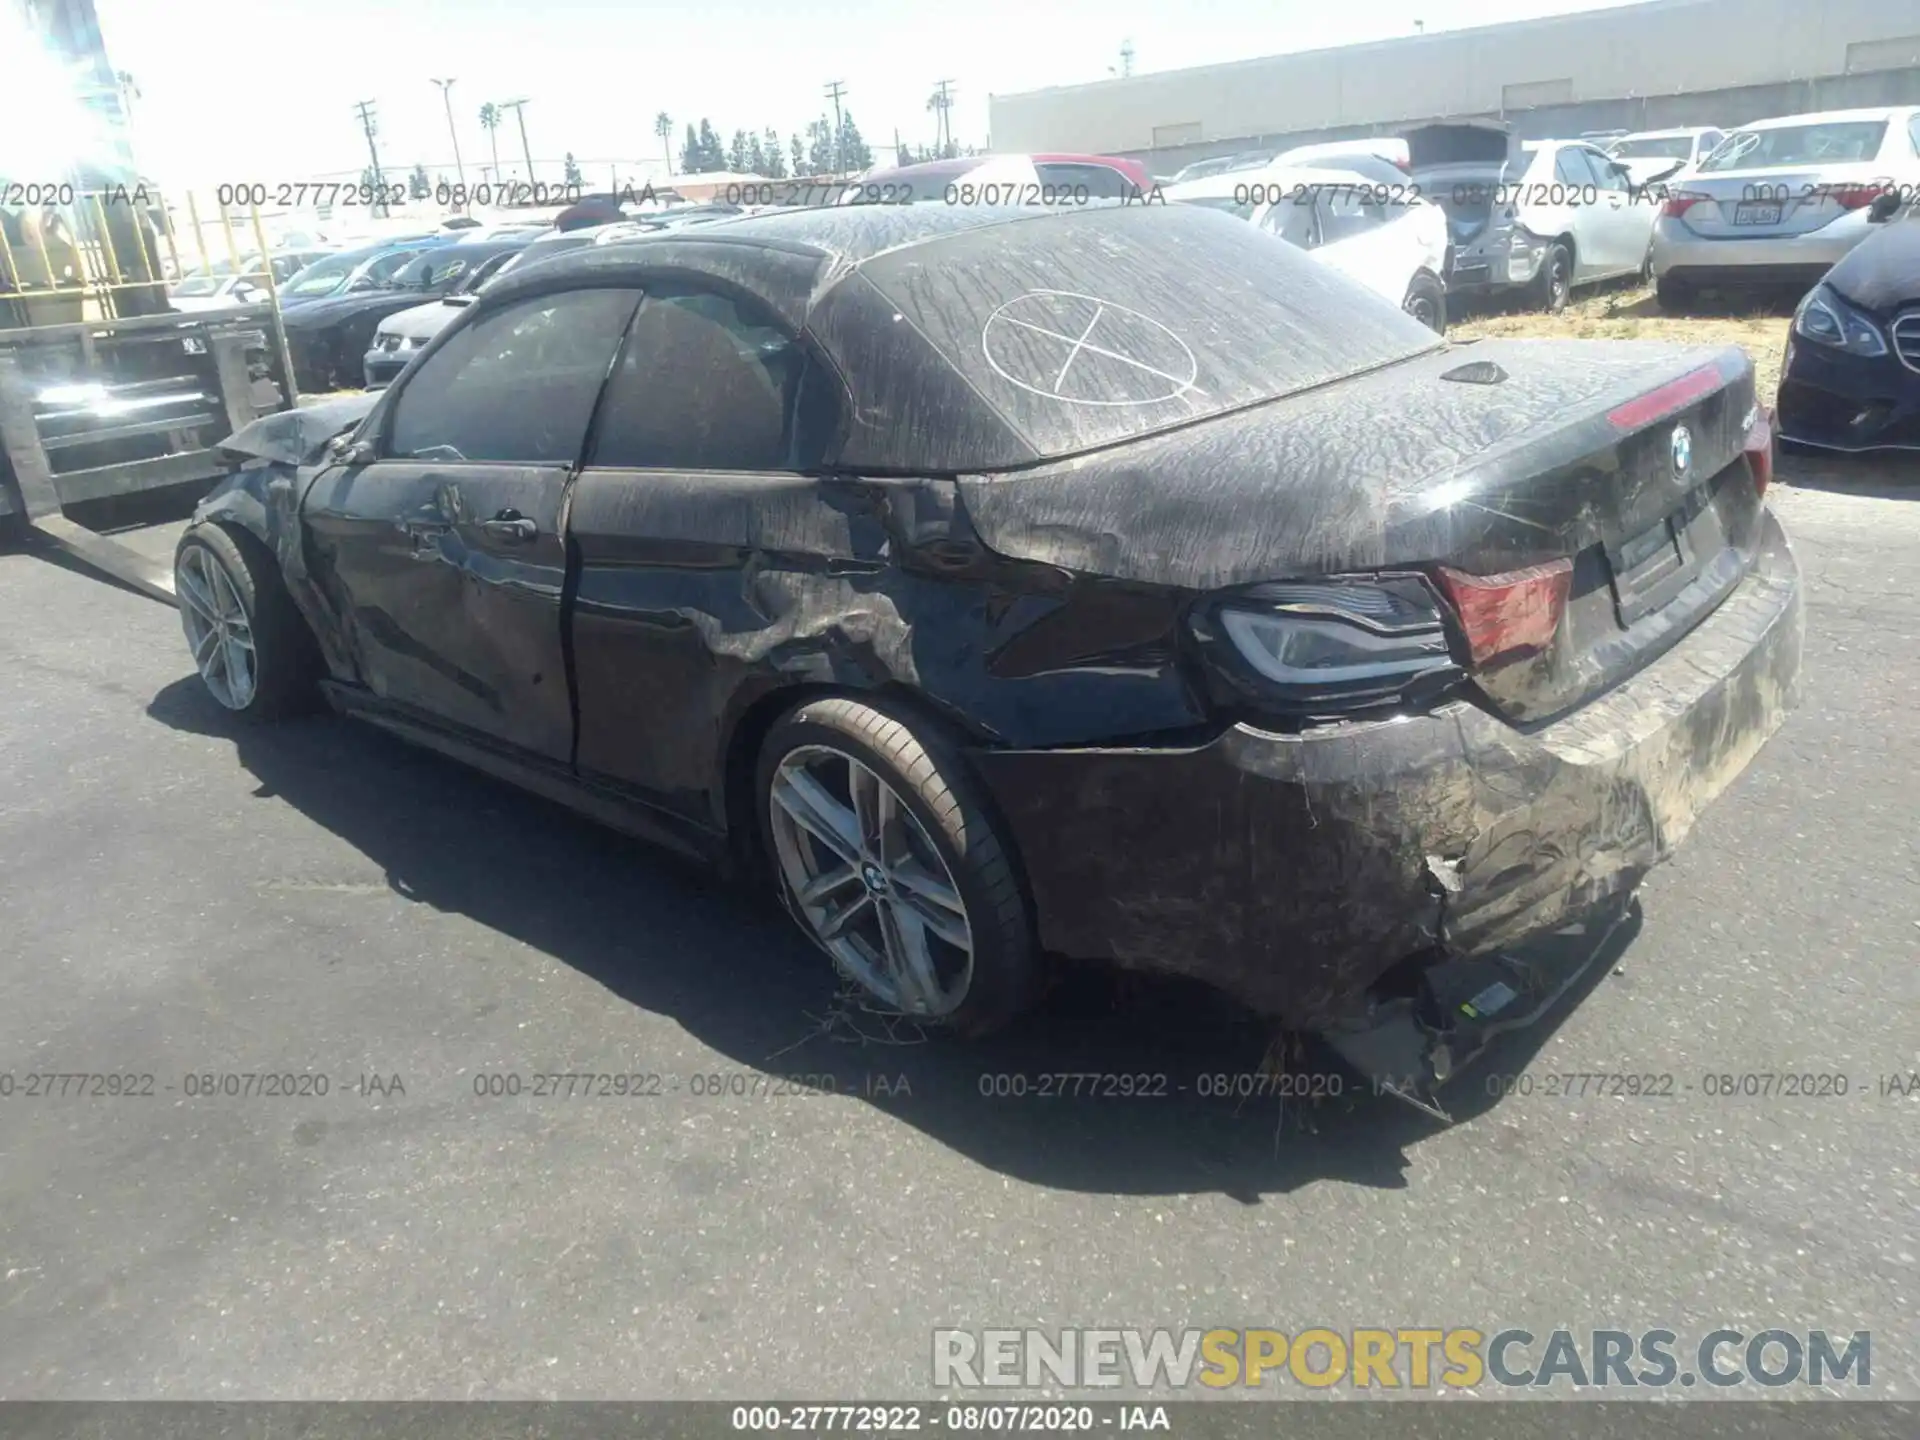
(663, 127)
(756, 156)
(854, 151)
(820, 155)
(737, 156)
(691, 160)
(713, 155)
(419, 186)
(490, 118)
(799, 149)
(773, 155)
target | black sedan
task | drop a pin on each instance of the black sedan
(1113, 583)
(329, 338)
(1851, 378)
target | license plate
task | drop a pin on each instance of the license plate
(194, 345)
(1756, 214)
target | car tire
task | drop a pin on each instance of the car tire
(1675, 296)
(237, 615)
(1553, 287)
(936, 815)
(1427, 301)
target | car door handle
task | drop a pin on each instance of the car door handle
(511, 526)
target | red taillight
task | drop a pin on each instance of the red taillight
(1681, 201)
(1674, 395)
(1512, 614)
(1852, 197)
(1758, 447)
(1405, 167)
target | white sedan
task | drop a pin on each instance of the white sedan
(1384, 236)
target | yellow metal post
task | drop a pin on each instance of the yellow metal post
(106, 240)
(226, 228)
(273, 298)
(199, 235)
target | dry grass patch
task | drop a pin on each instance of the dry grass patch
(1632, 313)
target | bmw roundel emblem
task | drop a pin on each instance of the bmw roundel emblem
(1682, 451)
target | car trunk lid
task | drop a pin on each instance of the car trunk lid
(1767, 203)
(1460, 167)
(1487, 460)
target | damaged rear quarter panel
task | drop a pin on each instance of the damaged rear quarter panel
(703, 597)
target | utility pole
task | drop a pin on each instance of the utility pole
(446, 94)
(521, 115)
(943, 123)
(1126, 58)
(834, 92)
(365, 110)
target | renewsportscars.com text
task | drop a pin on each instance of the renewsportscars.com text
(1398, 1358)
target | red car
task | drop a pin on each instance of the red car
(1005, 179)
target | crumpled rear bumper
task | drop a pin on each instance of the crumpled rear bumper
(1293, 870)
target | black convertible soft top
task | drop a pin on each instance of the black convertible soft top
(988, 338)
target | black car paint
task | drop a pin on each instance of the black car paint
(1837, 400)
(1044, 615)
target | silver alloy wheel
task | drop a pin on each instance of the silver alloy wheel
(218, 629)
(868, 881)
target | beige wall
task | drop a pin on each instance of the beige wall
(1669, 47)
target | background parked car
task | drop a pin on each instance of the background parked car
(1388, 239)
(221, 287)
(1222, 165)
(1650, 154)
(1780, 201)
(1009, 179)
(1851, 377)
(361, 268)
(399, 337)
(329, 338)
(1334, 154)
(1540, 216)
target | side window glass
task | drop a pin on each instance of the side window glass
(1292, 222)
(1604, 175)
(1570, 168)
(707, 382)
(1091, 182)
(1347, 211)
(1913, 133)
(516, 385)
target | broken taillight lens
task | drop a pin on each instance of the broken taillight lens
(1758, 447)
(1512, 614)
(1681, 201)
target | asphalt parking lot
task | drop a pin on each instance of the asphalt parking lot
(180, 899)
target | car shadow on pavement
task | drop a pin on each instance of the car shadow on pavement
(1117, 1084)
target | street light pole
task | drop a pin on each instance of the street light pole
(446, 94)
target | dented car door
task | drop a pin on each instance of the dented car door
(441, 551)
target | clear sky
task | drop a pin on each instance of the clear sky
(243, 90)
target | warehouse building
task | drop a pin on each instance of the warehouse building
(1636, 67)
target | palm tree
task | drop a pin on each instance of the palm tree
(490, 118)
(663, 127)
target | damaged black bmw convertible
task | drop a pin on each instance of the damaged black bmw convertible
(1116, 584)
